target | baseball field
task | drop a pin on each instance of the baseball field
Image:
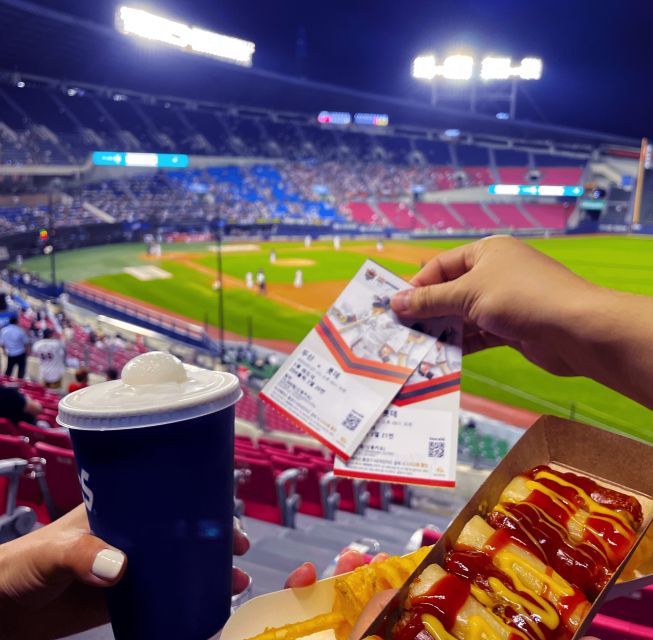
(182, 281)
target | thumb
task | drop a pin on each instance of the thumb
(80, 555)
(94, 562)
(436, 300)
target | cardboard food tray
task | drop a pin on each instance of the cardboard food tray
(615, 461)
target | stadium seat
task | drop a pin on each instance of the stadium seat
(271, 442)
(316, 486)
(8, 428)
(380, 495)
(314, 452)
(354, 496)
(268, 496)
(32, 490)
(36, 434)
(15, 520)
(61, 477)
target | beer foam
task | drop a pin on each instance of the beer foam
(154, 367)
(155, 388)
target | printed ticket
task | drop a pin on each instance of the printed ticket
(416, 439)
(343, 375)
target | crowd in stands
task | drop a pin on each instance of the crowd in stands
(366, 193)
(314, 174)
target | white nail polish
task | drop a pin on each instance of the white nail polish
(107, 564)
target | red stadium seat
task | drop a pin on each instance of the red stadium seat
(271, 442)
(8, 428)
(401, 494)
(316, 486)
(267, 496)
(35, 434)
(313, 452)
(61, 477)
(31, 489)
(49, 418)
(380, 495)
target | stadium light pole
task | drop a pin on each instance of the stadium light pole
(220, 292)
(55, 188)
(461, 68)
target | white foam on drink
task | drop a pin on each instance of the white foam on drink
(155, 388)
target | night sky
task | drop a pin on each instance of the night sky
(598, 54)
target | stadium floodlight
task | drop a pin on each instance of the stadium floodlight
(424, 67)
(496, 68)
(457, 67)
(530, 69)
(501, 69)
(137, 22)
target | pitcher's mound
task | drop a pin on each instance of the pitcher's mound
(294, 262)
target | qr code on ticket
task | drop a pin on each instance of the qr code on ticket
(436, 447)
(352, 420)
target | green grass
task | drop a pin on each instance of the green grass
(328, 265)
(624, 263)
(189, 293)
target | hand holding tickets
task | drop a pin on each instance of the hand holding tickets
(381, 395)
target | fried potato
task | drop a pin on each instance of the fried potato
(352, 593)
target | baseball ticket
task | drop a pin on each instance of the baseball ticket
(344, 374)
(416, 439)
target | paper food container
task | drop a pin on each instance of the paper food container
(280, 608)
(615, 461)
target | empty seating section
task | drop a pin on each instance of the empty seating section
(437, 216)
(271, 476)
(474, 215)
(569, 176)
(510, 216)
(478, 176)
(363, 213)
(400, 216)
(549, 216)
(513, 175)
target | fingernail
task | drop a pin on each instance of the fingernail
(107, 564)
(401, 301)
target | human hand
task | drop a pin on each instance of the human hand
(306, 574)
(507, 294)
(49, 579)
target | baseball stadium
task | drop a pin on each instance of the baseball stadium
(174, 199)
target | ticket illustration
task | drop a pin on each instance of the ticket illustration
(416, 439)
(342, 376)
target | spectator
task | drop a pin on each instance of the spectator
(16, 407)
(51, 354)
(14, 341)
(81, 380)
(112, 374)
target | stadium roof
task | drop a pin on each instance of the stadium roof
(36, 38)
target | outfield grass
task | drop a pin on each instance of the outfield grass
(619, 262)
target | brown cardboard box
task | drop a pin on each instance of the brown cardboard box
(615, 461)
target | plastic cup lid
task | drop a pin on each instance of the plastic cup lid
(155, 388)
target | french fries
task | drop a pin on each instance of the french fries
(352, 593)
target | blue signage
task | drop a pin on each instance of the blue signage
(131, 159)
(554, 191)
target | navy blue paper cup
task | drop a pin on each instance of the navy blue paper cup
(156, 468)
